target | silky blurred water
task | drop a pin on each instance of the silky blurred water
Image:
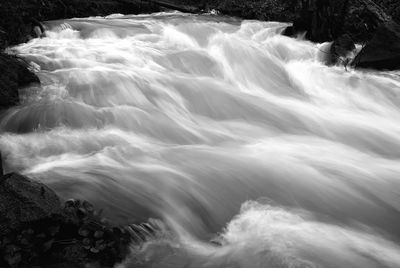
(250, 150)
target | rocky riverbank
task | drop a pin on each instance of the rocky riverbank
(35, 223)
(14, 74)
(37, 230)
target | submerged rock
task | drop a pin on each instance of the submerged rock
(383, 51)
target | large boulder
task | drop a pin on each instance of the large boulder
(326, 20)
(383, 51)
(23, 200)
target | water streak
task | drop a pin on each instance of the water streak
(186, 118)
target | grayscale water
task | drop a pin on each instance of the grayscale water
(248, 148)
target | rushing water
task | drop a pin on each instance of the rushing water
(250, 150)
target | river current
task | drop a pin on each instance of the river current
(247, 148)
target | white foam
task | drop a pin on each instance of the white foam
(184, 118)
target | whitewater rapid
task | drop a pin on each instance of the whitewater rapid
(248, 148)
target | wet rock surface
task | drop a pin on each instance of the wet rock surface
(341, 49)
(23, 200)
(14, 74)
(383, 51)
(37, 231)
(348, 22)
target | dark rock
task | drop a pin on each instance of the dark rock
(1, 166)
(315, 19)
(36, 231)
(23, 200)
(54, 238)
(362, 20)
(288, 31)
(341, 50)
(383, 51)
(14, 74)
(326, 20)
(300, 25)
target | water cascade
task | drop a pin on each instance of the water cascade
(248, 148)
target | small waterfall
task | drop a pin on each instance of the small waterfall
(250, 150)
